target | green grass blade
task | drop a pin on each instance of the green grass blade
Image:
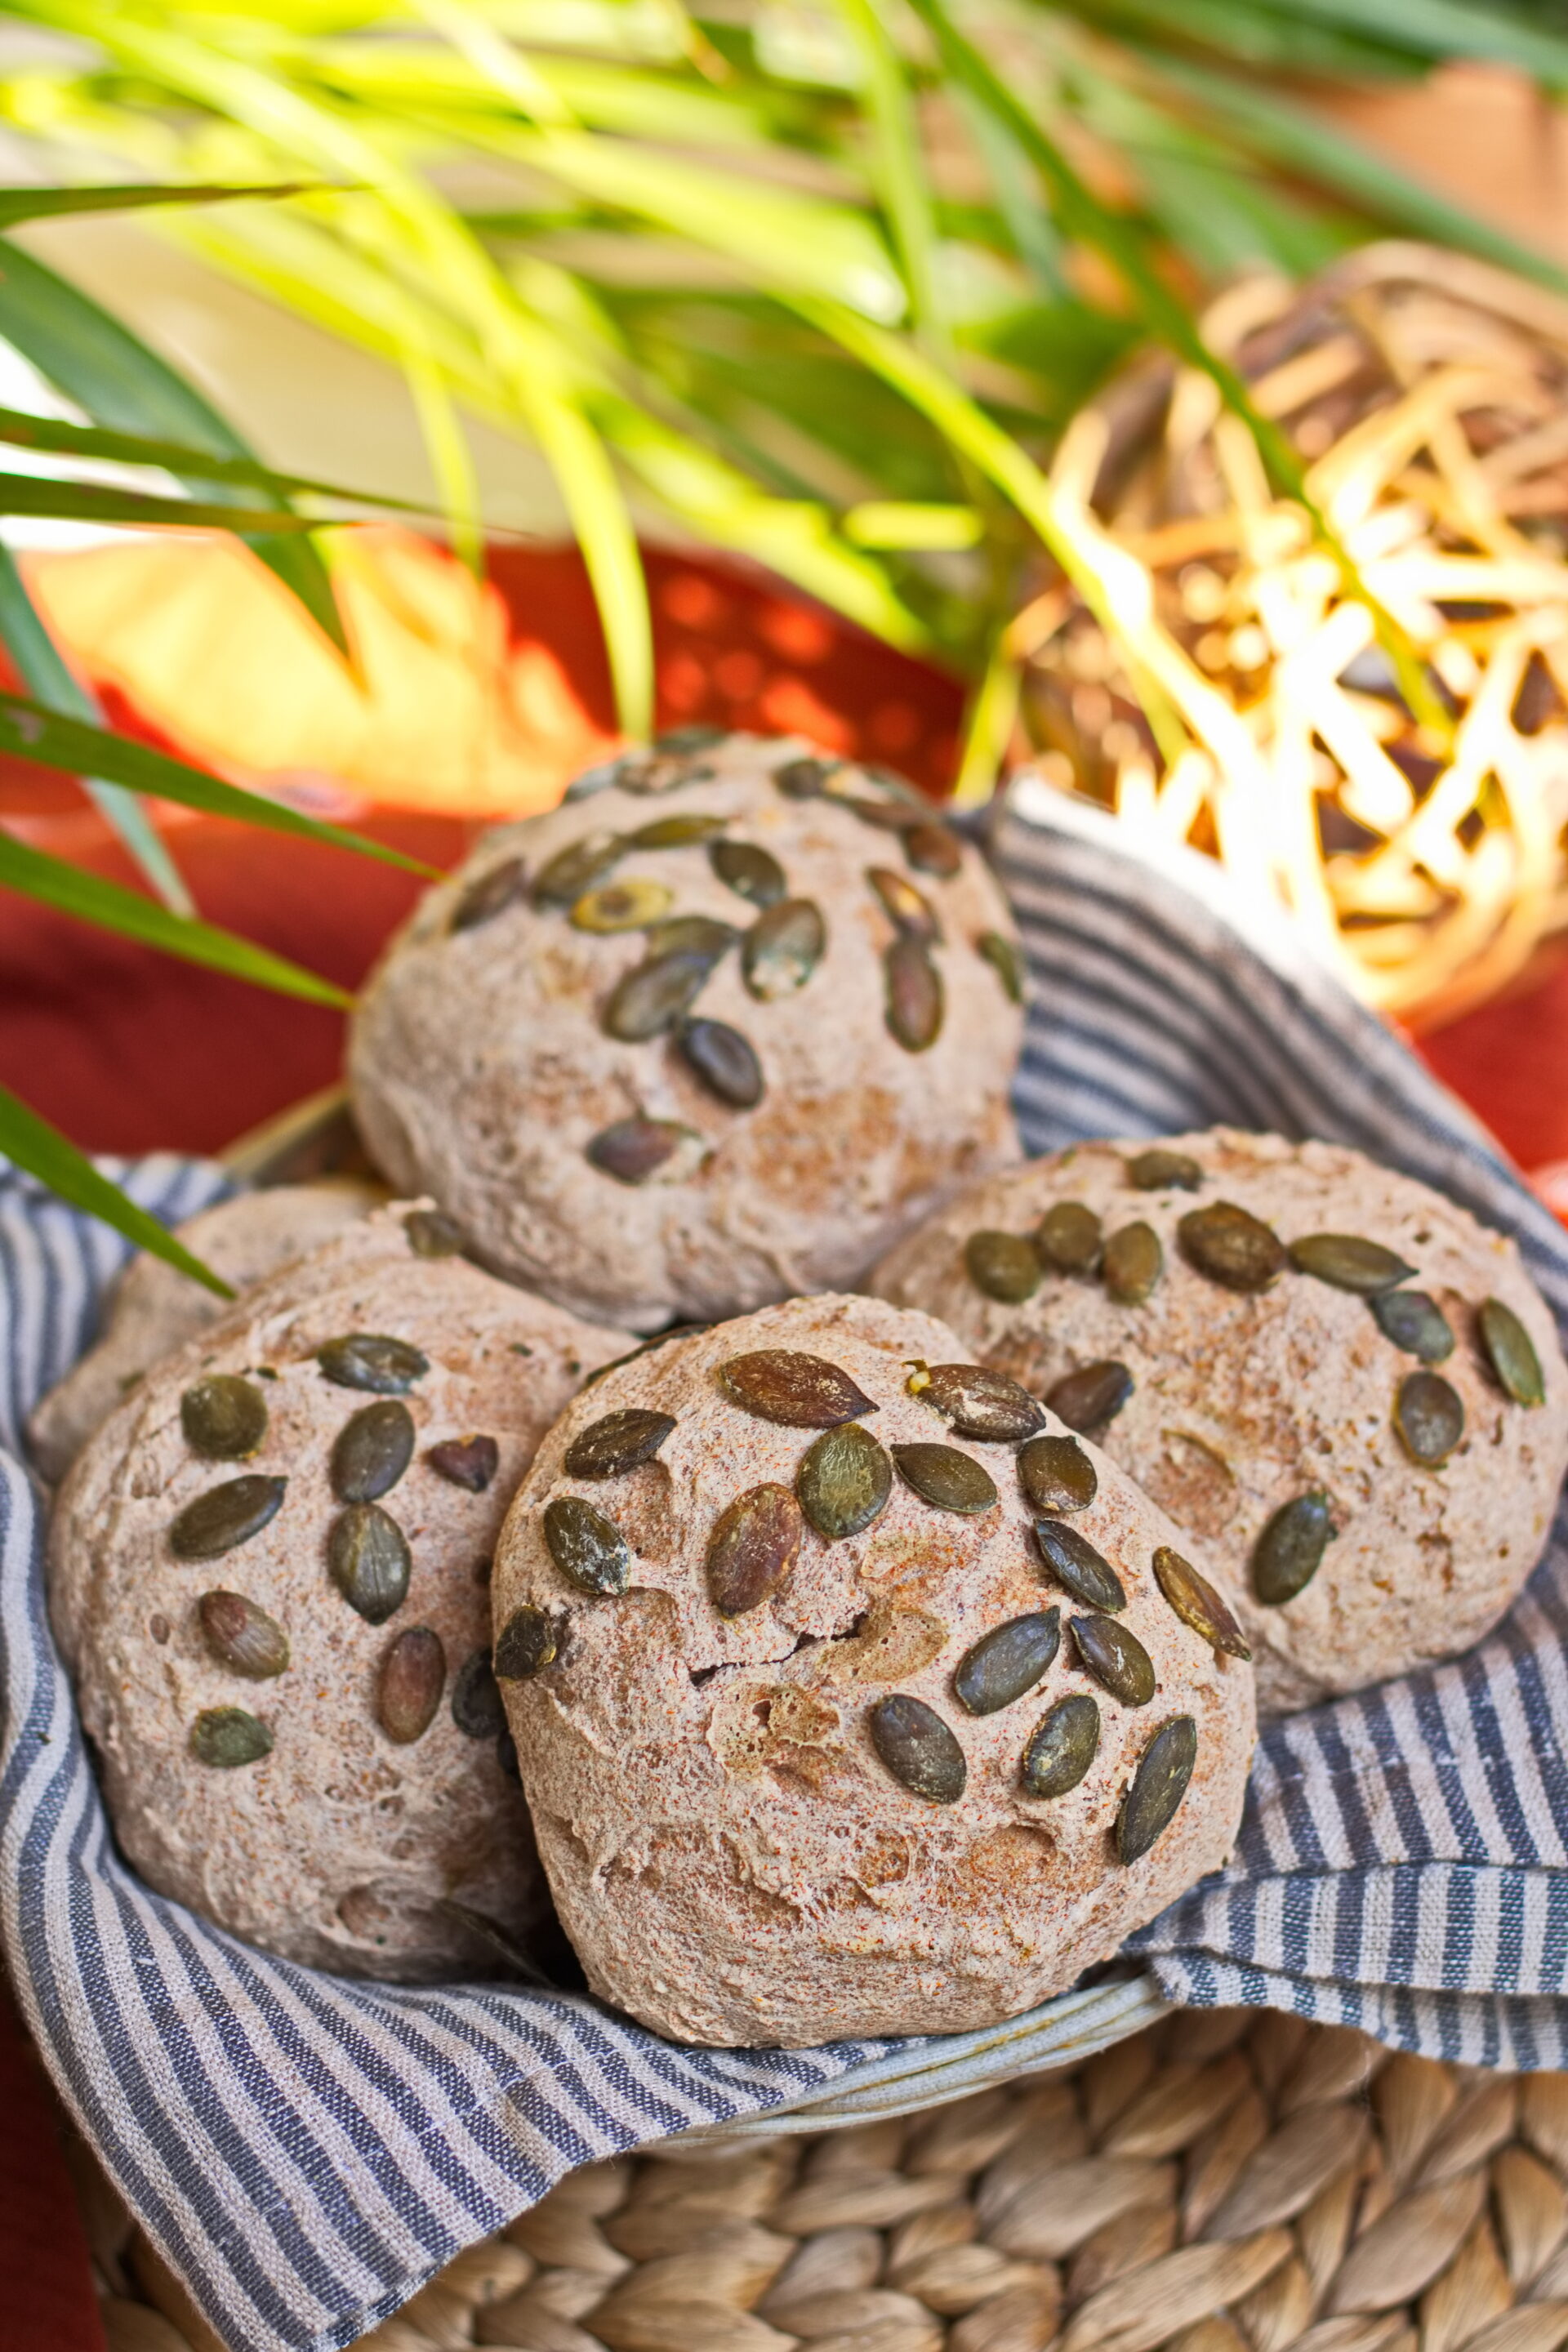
(19, 205)
(1432, 29)
(33, 1144)
(898, 164)
(22, 430)
(106, 503)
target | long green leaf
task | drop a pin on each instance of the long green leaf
(44, 1153)
(47, 494)
(23, 430)
(1435, 29)
(898, 163)
(19, 205)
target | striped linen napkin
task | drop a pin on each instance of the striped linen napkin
(306, 2151)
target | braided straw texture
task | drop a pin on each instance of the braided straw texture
(1228, 2181)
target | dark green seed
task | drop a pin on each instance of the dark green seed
(1232, 1247)
(701, 935)
(432, 1234)
(723, 1060)
(241, 1636)
(803, 1392)
(903, 904)
(368, 1360)
(887, 817)
(753, 872)
(802, 779)
(630, 906)
(947, 1479)
(932, 849)
(677, 832)
(918, 1748)
(1349, 1261)
(1510, 1352)
(1415, 1323)
(1429, 1416)
(588, 1549)
(369, 1562)
(1064, 1744)
(1132, 1264)
(224, 1417)
(408, 1689)
(1160, 1171)
(226, 1736)
(653, 997)
(477, 1705)
(1086, 1400)
(752, 1547)
(1115, 1657)
(976, 1404)
(575, 869)
(844, 1481)
(1007, 1662)
(529, 1641)
(784, 947)
(1003, 1265)
(1070, 1239)
(1057, 1475)
(1006, 961)
(915, 1000)
(226, 1517)
(633, 1149)
(1158, 1786)
(1074, 1561)
(490, 896)
(373, 1450)
(467, 1461)
(617, 1442)
(1289, 1551)
(1197, 1604)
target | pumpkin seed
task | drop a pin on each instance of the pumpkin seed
(370, 1359)
(1197, 1604)
(1158, 1171)
(976, 1404)
(408, 1689)
(577, 868)
(701, 935)
(1510, 1352)
(904, 905)
(918, 1748)
(467, 1461)
(1007, 1662)
(752, 1547)
(1006, 961)
(622, 906)
(932, 849)
(802, 779)
(478, 1709)
(802, 1391)
(588, 1549)
(1077, 1563)
(1159, 1784)
(1429, 1416)
(1063, 1746)
(1289, 1551)
(593, 779)
(652, 997)
(723, 1060)
(1086, 1400)
(1232, 1247)
(947, 1479)
(698, 735)
(1070, 1239)
(751, 872)
(887, 817)
(1057, 1475)
(617, 1442)
(433, 1234)
(1003, 1265)
(242, 1636)
(1349, 1261)
(633, 1149)
(783, 948)
(369, 1562)
(679, 831)
(224, 1417)
(1116, 1657)
(915, 999)
(1415, 1322)
(226, 1736)
(528, 1642)
(844, 1481)
(373, 1450)
(1132, 1264)
(490, 896)
(226, 1517)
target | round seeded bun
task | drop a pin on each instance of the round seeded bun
(482, 1072)
(732, 1857)
(340, 1847)
(1243, 1404)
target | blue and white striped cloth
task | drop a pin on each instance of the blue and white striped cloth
(306, 2151)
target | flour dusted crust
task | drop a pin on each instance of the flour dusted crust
(481, 1073)
(733, 1859)
(1242, 1402)
(339, 1848)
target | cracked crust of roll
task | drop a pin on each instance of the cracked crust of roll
(481, 1071)
(339, 1848)
(1242, 1403)
(732, 1860)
